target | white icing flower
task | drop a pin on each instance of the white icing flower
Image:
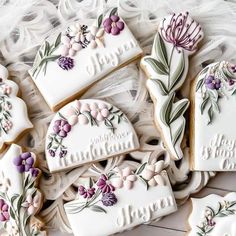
(151, 173)
(4, 183)
(124, 178)
(95, 36)
(31, 203)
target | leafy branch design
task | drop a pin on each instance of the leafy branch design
(224, 209)
(5, 115)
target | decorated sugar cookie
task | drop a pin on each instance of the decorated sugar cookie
(213, 216)
(82, 55)
(14, 119)
(123, 197)
(167, 68)
(20, 199)
(213, 139)
(87, 131)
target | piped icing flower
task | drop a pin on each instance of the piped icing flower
(4, 214)
(4, 183)
(109, 199)
(105, 184)
(66, 63)
(34, 172)
(182, 31)
(151, 173)
(61, 127)
(95, 36)
(212, 82)
(99, 111)
(31, 204)
(86, 193)
(124, 178)
(24, 162)
(113, 25)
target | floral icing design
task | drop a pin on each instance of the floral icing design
(215, 82)
(76, 38)
(81, 114)
(208, 224)
(178, 37)
(16, 210)
(5, 108)
(104, 190)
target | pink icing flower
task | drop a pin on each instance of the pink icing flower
(99, 111)
(31, 203)
(4, 214)
(124, 178)
(7, 125)
(105, 185)
(113, 25)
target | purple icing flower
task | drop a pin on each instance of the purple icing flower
(212, 82)
(24, 162)
(86, 193)
(105, 185)
(233, 68)
(113, 25)
(109, 199)
(211, 222)
(52, 153)
(66, 63)
(231, 82)
(4, 214)
(61, 127)
(34, 172)
(181, 31)
(62, 153)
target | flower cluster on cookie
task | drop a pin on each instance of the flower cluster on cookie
(16, 210)
(208, 223)
(5, 108)
(216, 81)
(104, 190)
(82, 114)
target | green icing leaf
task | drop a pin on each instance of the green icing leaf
(113, 11)
(166, 109)
(210, 114)
(141, 168)
(203, 104)
(177, 76)
(160, 50)
(157, 66)
(58, 41)
(178, 134)
(215, 106)
(199, 84)
(97, 209)
(145, 182)
(162, 86)
(100, 18)
(179, 110)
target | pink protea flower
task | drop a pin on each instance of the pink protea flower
(31, 203)
(182, 31)
(4, 214)
(105, 185)
(124, 178)
(113, 25)
(99, 111)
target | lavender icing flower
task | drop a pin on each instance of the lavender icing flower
(231, 82)
(113, 25)
(210, 222)
(233, 68)
(86, 193)
(181, 31)
(62, 153)
(109, 199)
(4, 214)
(212, 82)
(105, 185)
(52, 152)
(24, 162)
(61, 127)
(66, 63)
(34, 172)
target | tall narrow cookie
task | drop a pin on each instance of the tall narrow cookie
(213, 216)
(120, 200)
(86, 131)
(20, 199)
(13, 111)
(167, 68)
(213, 140)
(81, 56)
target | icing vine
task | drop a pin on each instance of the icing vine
(83, 114)
(224, 209)
(5, 107)
(16, 210)
(104, 190)
(215, 82)
(77, 37)
(177, 37)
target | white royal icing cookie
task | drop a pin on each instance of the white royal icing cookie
(213, 216)
(20, 200)
(213, 141)
(82, 55)
(167, 68)
(120, 200)
(13, 111)
(87, 131)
